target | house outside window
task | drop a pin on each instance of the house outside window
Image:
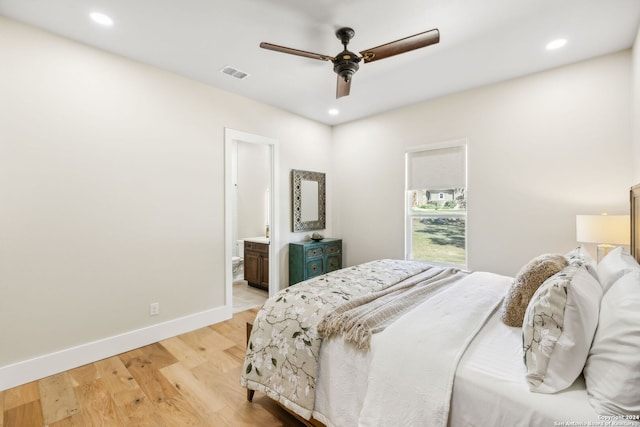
(436, 203)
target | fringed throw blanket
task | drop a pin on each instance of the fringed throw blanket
(282, 353)
(369, 314)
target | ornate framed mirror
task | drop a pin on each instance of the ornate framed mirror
(307, 200)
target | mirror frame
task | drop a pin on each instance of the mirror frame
(297, 224)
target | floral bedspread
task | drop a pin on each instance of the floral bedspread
(283, 349)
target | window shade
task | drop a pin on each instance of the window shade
(437, 169)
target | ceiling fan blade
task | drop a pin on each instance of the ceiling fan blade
(343, 88)
(298, 52)
(401, 46)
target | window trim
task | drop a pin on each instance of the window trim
(461, 142)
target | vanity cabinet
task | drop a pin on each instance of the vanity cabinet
(310, 259)
(256, 264)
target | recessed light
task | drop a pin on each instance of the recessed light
(101, 19)
(334, 111)
(556, 44)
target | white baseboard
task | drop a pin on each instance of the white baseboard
(49, 364)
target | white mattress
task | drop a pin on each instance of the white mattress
(489, 389)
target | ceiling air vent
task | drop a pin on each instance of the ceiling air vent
(234, 72)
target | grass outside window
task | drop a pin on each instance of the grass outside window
(439, 238)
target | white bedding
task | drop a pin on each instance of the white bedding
(489, 387)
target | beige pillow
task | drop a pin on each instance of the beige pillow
(525, 285)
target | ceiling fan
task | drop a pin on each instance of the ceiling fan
(345, 64)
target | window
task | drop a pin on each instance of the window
(436, 203)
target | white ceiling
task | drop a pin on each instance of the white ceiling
(481, 42)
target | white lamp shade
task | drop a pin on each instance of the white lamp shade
(611, 229)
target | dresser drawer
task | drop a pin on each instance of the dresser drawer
(334, 262)
(315, 267)
(315, 252)
(334, 249)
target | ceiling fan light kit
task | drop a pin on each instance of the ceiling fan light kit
(346, 63)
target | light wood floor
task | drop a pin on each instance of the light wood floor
(189, 380)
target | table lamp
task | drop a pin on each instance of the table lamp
(607, 231)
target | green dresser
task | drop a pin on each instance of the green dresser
(310, 259)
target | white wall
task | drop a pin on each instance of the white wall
(541, 149)
(254, 171)
(112, 196)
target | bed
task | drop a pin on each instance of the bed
(407, 343)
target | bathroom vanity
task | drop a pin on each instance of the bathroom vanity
(256, 262)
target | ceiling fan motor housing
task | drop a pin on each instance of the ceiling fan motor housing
(346, 64)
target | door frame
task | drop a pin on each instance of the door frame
(231, 138)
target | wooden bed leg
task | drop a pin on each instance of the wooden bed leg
(249, 392)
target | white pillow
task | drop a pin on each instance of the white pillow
(581, 255)
(612, 371)
(558, 329)
(614, 265)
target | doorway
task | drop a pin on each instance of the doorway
(249, 222)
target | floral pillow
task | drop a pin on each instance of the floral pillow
(581, 256)
(558, 329)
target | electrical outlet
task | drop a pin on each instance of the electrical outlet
(154, 309)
